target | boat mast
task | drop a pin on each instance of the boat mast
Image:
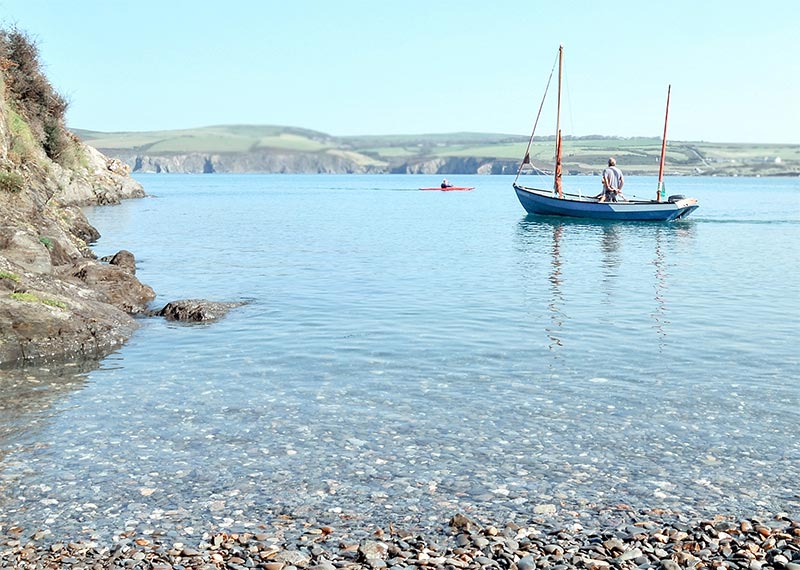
(557, 182)
(660, 191)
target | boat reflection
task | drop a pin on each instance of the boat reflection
(583, 265)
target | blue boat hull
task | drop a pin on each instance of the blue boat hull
(542, 202)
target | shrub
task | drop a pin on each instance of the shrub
(39, 104)
(11, 181)
(47, 242)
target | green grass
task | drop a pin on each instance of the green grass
(201, 143)
(9, 275)
(356, 157)
(393, 151)
(23, 142)
(288, 141)
(31, 298)
(221, 138)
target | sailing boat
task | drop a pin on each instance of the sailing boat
(556, 202)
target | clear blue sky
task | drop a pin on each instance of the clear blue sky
(424, 66)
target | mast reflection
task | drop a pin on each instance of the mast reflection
(659, 313)
(556, 300)
(566, 264)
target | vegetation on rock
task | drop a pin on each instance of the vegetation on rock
(31, 298)
(30, 94)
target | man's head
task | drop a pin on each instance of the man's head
(612, 161)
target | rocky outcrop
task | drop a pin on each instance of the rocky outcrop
(57, 301)
(46, 318)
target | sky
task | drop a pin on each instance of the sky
(352, 67)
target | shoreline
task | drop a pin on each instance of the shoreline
(617, 536)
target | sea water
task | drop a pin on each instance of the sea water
(405, 355)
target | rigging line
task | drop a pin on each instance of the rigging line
(538, 115)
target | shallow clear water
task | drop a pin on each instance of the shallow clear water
(406, 355)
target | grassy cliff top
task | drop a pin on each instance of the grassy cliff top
(581, 154)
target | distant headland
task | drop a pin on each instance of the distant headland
(281, 149)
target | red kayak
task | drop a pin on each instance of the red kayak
(450, 188)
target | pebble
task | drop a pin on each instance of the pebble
(661, 542)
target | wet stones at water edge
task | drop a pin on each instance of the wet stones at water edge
(196, 310)
(641, 542)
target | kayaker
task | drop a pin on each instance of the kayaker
(446, 184)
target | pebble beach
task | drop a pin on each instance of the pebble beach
(617, 537)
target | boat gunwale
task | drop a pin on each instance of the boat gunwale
(588, 199)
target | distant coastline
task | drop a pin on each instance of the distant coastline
(280, 149)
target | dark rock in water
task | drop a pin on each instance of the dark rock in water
(196, 310)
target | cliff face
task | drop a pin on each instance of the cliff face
(56, 300)
(267, 162)
(282, 162)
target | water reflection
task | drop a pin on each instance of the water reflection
(556, 294)
(592, 265)
(29, 397)
(659, 313)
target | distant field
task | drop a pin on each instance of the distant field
(580, 154)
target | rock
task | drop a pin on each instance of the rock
(118, 286)
(42, 325)
(462, 522)
(22, 247)
(196, 310)
(629, 555)
(292, 557)
(78, 225)
(123, 259)
(372, 549)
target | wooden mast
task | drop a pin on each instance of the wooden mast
(660, 190)
(557, 182)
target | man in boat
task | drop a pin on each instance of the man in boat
(613, 181)
(446, 184)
